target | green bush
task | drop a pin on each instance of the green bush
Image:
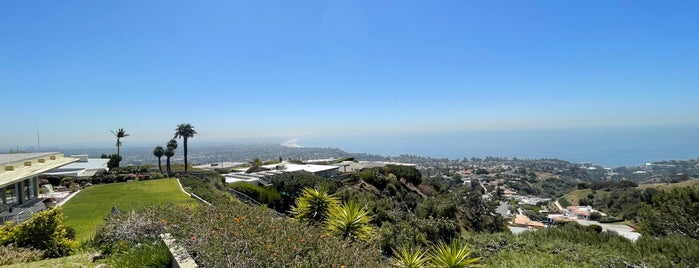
(204, 188)
(266, 195)
(43, 231)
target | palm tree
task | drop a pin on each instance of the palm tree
(170, 152)
(121, 133)
(409, 257)
(452, 255)
(185, 131)
(159, 152)
(314, 205)
(349, 220)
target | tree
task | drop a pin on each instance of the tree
(184, 131)
(113, 160)
(159, 152)
(314, 205)
(478, 214)
(672, 212)
(170, 152)
(121, 133)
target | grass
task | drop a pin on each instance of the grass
(87, 209)
(77, 260)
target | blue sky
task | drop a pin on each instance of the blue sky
(76, 69)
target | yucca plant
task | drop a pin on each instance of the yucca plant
(314, 205)
(452, 255)
(409, 257)
(349, 221)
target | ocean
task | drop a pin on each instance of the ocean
(609, 147)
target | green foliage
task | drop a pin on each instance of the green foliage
(443, 206)
(564, 202)
(672, 212)
(204, 188)
(409, 173)
(452, 255)
(477, 214)
(43, 231)
(146, 254)
(409, 257)
(264, 195)
(114, 160)
(481, 171)
(314, 205)
(185, 131)
(349, 221)
(377, 180)
(409, 230)
(290, 185)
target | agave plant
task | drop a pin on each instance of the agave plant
(314, 205)
(409, 257)
(349, 221)
(452, 255)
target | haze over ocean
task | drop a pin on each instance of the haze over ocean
(609, 147)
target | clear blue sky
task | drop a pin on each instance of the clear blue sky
(76, 69)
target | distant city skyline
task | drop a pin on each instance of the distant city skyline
(275, 70)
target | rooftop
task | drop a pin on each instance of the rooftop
(16, 167)
(12, 158)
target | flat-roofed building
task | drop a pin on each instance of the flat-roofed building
(19, 175)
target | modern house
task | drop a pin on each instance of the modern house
(19, 176)
(84, 167)
(263, 177)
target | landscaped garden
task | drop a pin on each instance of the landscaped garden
(87, 209)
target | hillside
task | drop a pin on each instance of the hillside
(620, 200)
(666, 186)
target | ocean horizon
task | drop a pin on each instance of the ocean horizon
(609, 147)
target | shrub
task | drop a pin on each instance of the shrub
(125, 230)
(349, 221)
(451, 255)
(314, 205)
(43, 231)
(265, 195)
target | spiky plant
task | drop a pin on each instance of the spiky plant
(314, 205)
(409, 257)
(349, 221)
(452, 255)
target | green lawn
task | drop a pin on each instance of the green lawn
(87, 209)
(83, 259)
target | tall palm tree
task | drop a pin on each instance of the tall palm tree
(185, 131)
(170, 152)
(121, 133)
(159, 152)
